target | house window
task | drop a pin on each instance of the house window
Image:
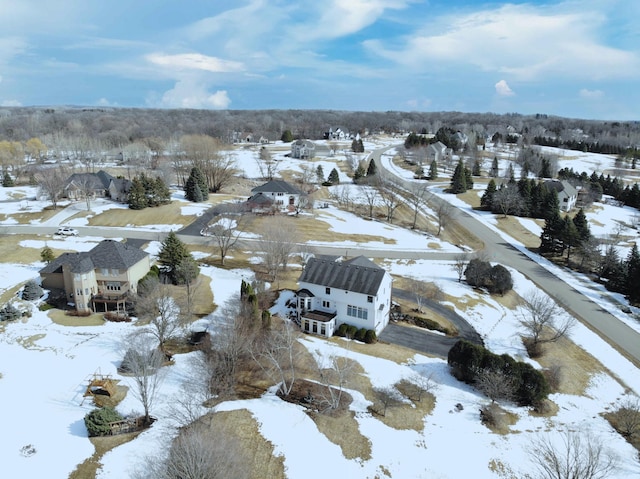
(357, 312)
(111, 286)
(369, 299)
(327, 290)
(326, 304)
(323, 329)
(79, 292)
(105, 271)
(86, 291)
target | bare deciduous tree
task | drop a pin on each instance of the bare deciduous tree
(444, 213)
(543, 320)
(386, 397)
(576, 455)
(266, 164)
(420, 290)
(390, 196)
(627, 417)
(371, 197)
(160, 309)
(51, 181)
(495, 384)
(276, 355)
(195, 454)
(277, 244)
(460, 265)
(418, 196)
(225, 233)
(422, 385)
(205, 153)
(143, 360)
(335, 377)
(506, 200)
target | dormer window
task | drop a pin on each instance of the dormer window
(327, 290)
(369, 299)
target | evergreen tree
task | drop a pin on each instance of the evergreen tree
(359, 174)
(419, 173)
(7, 181)
(137, 197)
(195, 188)
(468, 178)
(459, 179)
(550, 203)
(47, 255)
(633, 275)
(495, 171)
(161, 192)
(545, 168)
(487, 197)
(476, 168)
(550, 241)
(287, 136)
(320, 174)
(569, 236)
(172, 254)
(31, 291)
(582, 225)
(372, 170)
(511, 175)
(334, 177)
(357, 146)
(433, 170)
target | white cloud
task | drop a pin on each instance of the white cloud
(503, 88)
(10, 103)
(592, 94)
(195, 61)
(190, 94)
(527, 42)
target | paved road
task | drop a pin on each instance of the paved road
(582, 307)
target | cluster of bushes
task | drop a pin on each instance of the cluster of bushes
(480, 274)
(97, 421)
(9, 313)
(468, 362)
(31, 291)
(363, 335)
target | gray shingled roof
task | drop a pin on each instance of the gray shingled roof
(106, 254)
(277, 186)
(358, 275)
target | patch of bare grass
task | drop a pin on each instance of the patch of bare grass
(344, 431)
(166, 214)
(516, 230)
(60, 317)
(89, 468)
(497, 419)
(255, 449)
(11, 252)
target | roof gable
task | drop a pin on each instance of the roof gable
(277, 186)
(106, 254)
(358, 275)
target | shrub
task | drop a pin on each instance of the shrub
(97, 421)
(370, 337)
(342, 330)
(9, 313)
(468, 361)
(481, 274)
(360, 334)
(31, 291)
(351, 331)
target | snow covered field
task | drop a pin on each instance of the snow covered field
(45, 366)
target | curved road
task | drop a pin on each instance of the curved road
(590, 313)
(616, 332)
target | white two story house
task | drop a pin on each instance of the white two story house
(275, 195)
(332, 292)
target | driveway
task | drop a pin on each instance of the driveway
(423, 340)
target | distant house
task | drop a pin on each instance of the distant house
(102, 278)
(274, 195)
(332, 292)
(96, 185)
(303, 149)
(567, 194)
(436, 151)
(336, 134)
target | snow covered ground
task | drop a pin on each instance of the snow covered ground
(45, 367)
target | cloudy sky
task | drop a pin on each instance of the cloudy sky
(577, 58)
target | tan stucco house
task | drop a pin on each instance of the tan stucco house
(100, 279)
